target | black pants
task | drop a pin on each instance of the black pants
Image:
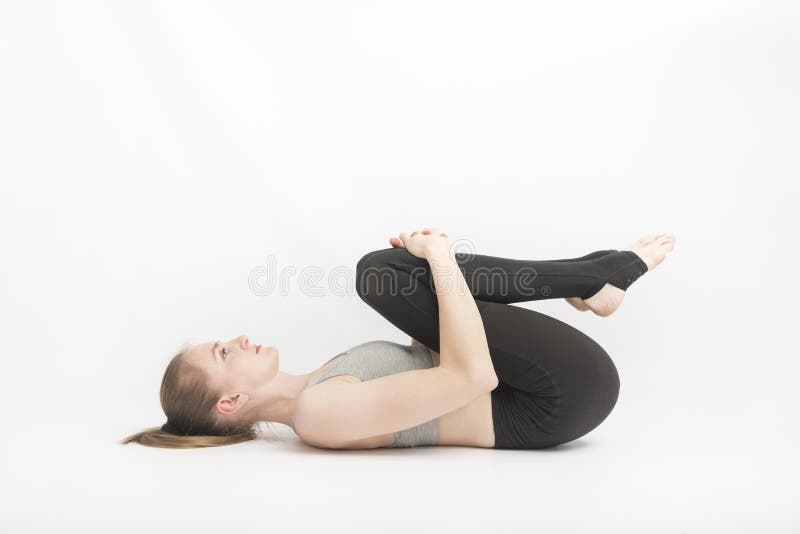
(556, 383)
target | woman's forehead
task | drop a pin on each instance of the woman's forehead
(202, 353)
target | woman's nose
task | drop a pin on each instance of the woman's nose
(244, 342)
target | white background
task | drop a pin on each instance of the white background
(153, 154)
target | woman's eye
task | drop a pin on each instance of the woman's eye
(224, 353)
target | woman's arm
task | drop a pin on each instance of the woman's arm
(336, 413)
(462, 338)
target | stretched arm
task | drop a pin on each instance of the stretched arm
(462, 338)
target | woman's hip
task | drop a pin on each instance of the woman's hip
(556, 383)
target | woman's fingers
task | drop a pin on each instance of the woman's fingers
(428, 231)
(420, 243)
(404, 239)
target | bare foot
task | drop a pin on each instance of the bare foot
(651, 249)
(577, 302)
(654, 249)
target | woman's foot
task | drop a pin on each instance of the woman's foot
(651, 249)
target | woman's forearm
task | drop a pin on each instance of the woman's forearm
(462, 338)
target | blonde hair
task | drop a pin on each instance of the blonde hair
(189, 404)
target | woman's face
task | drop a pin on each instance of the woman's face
(235, 366)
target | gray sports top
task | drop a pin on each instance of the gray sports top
(374, 359)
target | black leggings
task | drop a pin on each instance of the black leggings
(556, 383)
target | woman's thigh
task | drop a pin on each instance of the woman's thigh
(556, 383)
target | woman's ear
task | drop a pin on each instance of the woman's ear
(230, 404)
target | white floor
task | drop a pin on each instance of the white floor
(154, 157)
(703, 439)
(650, 468)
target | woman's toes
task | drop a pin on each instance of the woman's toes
(667, 240)
(642, 241)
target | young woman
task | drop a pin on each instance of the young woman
(478, 372)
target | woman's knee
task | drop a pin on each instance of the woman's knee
(361, 264)
(374, 266)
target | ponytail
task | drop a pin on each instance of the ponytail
(158, 437)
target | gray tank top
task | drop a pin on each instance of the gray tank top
(374, 359)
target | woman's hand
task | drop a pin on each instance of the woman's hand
(420, 244)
